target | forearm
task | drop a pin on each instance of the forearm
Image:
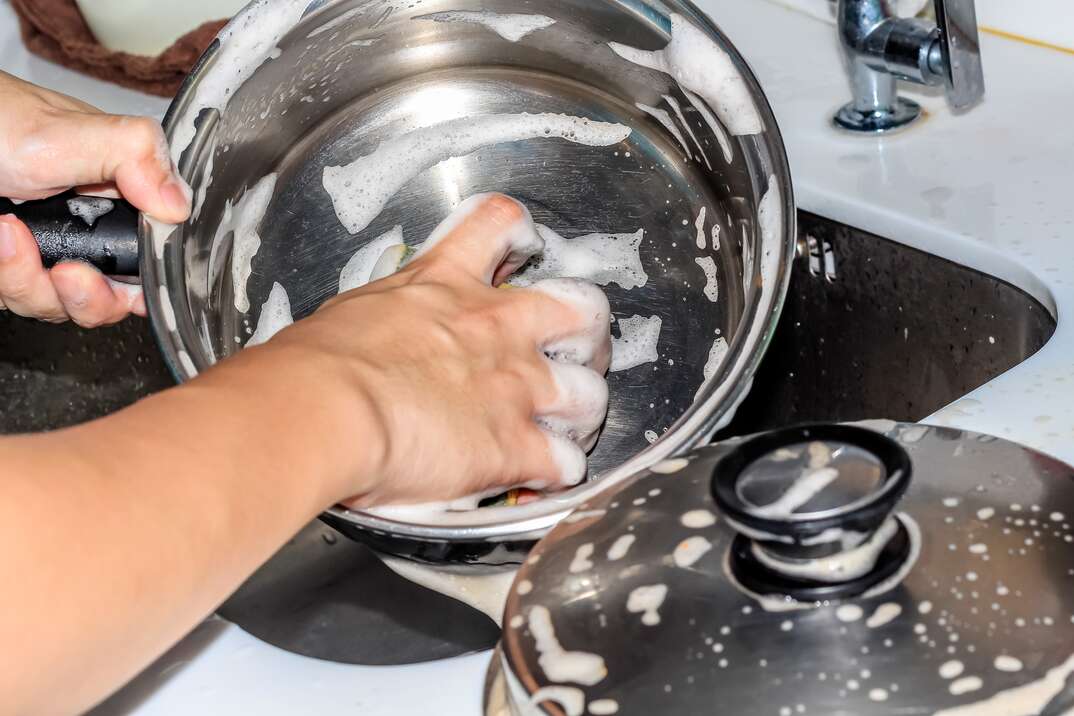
(118, 536)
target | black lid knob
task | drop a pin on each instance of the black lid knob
(813, 508)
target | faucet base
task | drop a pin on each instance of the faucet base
(878, 121)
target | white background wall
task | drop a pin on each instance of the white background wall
(1049, 21)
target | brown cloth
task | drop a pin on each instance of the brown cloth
(55, 30)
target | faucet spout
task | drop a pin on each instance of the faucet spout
(882, 48)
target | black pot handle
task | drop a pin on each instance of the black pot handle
(70, 228)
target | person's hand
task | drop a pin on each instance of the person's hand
(50, 143)
(458, 393)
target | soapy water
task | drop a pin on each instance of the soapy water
(511, 27)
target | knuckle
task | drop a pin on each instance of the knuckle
(502, 207)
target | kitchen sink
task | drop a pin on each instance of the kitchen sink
(871, 328)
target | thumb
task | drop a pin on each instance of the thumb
(82, 148)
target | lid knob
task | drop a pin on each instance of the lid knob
(813, 507)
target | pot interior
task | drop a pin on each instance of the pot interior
(353, 76)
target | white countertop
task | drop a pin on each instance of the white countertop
(990, 189)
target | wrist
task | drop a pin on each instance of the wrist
(325, 407)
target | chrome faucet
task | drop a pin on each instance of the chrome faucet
(882, 48)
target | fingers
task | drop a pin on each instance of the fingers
(25, 286)
(75, 148)
(488, 237)
(569, 460)
(90, 299)
(69, 291)
(585, 337)
(551, 462)
(579, 407)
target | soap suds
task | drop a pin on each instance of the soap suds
(884, 614)
(701, 66)
(690, 550)
(665, 120)
(361, 189)
(603, 707)
(511, 27)
(275, 316)
(698, 519)
(708, 265)
(951, 669)
(713, 123)
(560, 665)
(674, 104)
(840, 567)
(356, 273)
(602, 259)
(582, 561)
(569, 698)
(243, 219)
(188, 364)
(206, 182)
(1008, 664)
(247, 42)
(1029, 698)
(717, 353)
(647, 601)
(637, 344)
(965, 685)
(802, 490)
(849, 613)
(699, 226)
(620, 547)
(89, 208)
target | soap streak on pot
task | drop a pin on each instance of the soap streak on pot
(509, 26)
(665, 120)
(677, 108)
(1029, 698)
(637, 344)
(560, 665)
(602, 259)
(243, 221)
(275, 316)
(703, 67)
(708, 265)
(361, 189)
(647, 601)
(358, 270)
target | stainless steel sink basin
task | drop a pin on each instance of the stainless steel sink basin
(871, 328)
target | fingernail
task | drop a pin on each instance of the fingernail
(176, 194)
(7, 240)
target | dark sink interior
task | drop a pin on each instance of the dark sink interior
(870, 329)
(875, 329)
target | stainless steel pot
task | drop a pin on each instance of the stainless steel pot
(292, 87)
